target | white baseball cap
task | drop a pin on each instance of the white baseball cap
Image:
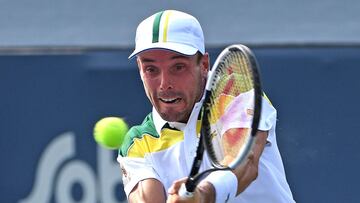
(172, 30)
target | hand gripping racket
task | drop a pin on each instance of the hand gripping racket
(230, 114)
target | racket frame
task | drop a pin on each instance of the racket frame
(205, 138)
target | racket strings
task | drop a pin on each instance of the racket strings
(232, 78)
(243, 73)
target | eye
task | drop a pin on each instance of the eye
(150, 69)
(179, 67)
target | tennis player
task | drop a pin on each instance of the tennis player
(158, 154)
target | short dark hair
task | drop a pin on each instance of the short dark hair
(199, 56)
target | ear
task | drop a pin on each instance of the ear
(205, 64)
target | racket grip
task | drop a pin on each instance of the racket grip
(183, 193)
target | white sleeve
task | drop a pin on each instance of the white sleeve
(135, 170)
(268, 115)
(239, 114)
(268, 118)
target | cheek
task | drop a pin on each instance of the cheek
(150, 87)
(193, 88)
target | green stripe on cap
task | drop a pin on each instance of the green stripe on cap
(156, 27)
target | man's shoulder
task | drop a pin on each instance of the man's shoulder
(146, 128)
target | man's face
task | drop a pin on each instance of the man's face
(173, 82)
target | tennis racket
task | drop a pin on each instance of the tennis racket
(230, 114)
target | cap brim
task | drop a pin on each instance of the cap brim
(179, 48)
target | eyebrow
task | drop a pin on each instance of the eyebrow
(179, 56)
(145, 60)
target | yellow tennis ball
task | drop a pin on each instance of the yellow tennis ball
(110, 132)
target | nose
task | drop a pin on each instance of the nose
(166, 81)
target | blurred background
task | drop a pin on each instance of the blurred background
(63, 66)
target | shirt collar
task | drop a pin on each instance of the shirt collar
(159, 122)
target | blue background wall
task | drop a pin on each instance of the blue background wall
(50, 102)
(113, 22)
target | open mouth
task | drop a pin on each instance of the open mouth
(170, 100)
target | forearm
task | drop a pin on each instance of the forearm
(149, 191)
(248, 171)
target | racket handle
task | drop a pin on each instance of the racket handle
(183, 193)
